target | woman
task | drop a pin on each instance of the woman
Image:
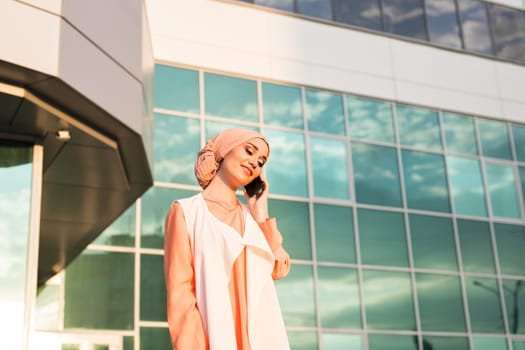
(221, 256)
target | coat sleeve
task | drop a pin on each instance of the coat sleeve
(275, 240)
(184, 320)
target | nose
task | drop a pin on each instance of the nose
(253, 162)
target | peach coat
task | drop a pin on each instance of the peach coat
(217, 251)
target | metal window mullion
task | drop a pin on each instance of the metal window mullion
(309, 177)
(462, 284)
(136, 300)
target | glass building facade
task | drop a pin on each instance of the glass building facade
(405, 224)
(474, 26)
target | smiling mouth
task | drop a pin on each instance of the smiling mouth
(248, 169)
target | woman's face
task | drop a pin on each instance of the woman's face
(243, 163)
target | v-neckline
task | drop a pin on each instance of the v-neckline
(243, 218)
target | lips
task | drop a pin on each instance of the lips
(250, 172)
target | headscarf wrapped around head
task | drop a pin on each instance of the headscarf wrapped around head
(210, 156)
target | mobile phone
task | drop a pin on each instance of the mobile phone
(256, 187)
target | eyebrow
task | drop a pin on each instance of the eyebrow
(257, 148)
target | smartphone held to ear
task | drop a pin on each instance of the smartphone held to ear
(256, 187)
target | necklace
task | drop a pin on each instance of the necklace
(221, 204)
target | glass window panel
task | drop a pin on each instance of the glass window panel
(518, 134)
(303, 340)
(388, 300)
(296, 296)
(70, 347)
(484, 305)
(99, 291)
(324, 112)
(370, 119)
(176, 89)
(286, 168)
(334, 233)
(405, 18)
(440, 303)
(488, 343)
(522, 177)
(315, 8)
(475, 26)
(330, 169)
(518, 344)
(514, 302)
(448, 343)
(152, 285)
(425, 181)
(494, 139)
(442, 22)
(392, 342)
(338, 298)
(282, 105)
(176, 142)
(155, 206)
(361, 13)
(460, 134)
(510, 240)
(382, 238)
(468, 194)
(433, 243)
(230, 97)
(285, 5)
(294, 225)
(154, 338)
(376, 175)
(121, 232)
(503, 191)
(48, 306)
(476, 246)
(418, 127)
(508, 31)
(333, 341)
(15, 200)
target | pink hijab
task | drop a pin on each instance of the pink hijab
(215, 150)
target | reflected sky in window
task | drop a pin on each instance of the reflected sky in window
(338, 298)
(508, 30)
(448, 343)
(330, 168)
(176, 142)
(503, 191)
(282, 105)
(392, 342)
(440, 303)
(510, 240)
(303, 340)
(466, 184)
(388, 300)
(361, 13)
(484, 305)
(488, 343)
(15, 200)
(442, 23)
(476, 246)
(230, 97)
(518, 134)
(376, 174)
(514, 301)
(296, 296)
(494, 139)
(334, 233)
(475, 26)
(382, 238)
(425, 181)
(370, 119)
(286, 168)
(334, 341)
(176, 89)
(418, 127)
(121, 232)
(433, 243)
(315, 8)
(460, 134)
(324, 112)
(404, 17)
